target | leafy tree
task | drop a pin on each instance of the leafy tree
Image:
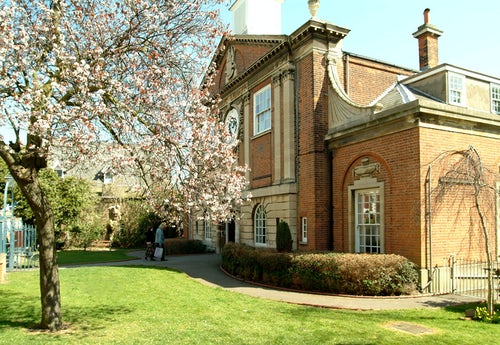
(70, 197)
(136, 219)
(74, 207)
(76, 73)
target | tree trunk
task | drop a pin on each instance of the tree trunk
(49, 272)
(49, 276)
(490, 301)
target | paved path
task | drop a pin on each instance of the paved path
(206, 269)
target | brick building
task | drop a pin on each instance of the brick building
(340, 145)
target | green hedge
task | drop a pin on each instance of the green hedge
(176, 246)
(284, 240)
(339, 273)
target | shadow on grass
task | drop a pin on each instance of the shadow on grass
(18, 310)
(21, 311)
(449, 303)
(93, 318)
(460, 309)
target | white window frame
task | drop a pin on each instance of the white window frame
(365, 183)
(367, 221)
(207, 227)
(107, 177)
(456, 89)
(262, 110)
(260, 226)
(495, 98)
(303, 226)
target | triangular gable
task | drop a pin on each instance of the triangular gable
(236, 54)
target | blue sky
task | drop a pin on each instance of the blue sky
(382, 29)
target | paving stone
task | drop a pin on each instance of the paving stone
(411, 328)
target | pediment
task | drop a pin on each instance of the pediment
(236, 54)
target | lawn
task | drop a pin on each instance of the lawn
(151, 305)
(76, 257)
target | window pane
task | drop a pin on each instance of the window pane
(260, 225)
(208, 230)
(262, 110)
(454, 96)
(368, 215)
(495, 99)
(304, 229)
(456, 86)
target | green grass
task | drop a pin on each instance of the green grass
(151, 305)
(75, 257)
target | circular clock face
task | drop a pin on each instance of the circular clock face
(233, 123)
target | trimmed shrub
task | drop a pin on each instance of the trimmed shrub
(176, 246)
(284, 240)
(353, 274)
(315, 272)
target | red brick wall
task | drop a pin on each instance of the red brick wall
(398, 157)
(261, 161)
(404, 158)
(428, 51)
(367, 79)
(314, 176)
(452, 215)
(261, 149)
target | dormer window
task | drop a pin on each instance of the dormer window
(495, 98)
(456, 89)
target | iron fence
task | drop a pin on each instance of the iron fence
(470, 277)
(19, 243)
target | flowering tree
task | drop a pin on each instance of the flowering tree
(75, 74)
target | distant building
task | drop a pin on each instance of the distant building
(107, 183)
(339, 145)
(114, 189)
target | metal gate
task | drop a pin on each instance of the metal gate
(470, 277)
(19, 244)
(464, 277)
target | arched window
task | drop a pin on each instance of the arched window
(260, 225)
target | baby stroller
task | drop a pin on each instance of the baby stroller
(150, 250)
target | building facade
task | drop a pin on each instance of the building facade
(340, 145)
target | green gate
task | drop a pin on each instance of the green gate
(19, 243)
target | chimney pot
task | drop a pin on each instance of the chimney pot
(426, 15)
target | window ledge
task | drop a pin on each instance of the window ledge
(255, 136)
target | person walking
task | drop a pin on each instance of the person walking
(159, 239)
(150, 239)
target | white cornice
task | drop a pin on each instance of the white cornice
(450, 68)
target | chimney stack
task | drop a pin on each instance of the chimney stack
(427, 35)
